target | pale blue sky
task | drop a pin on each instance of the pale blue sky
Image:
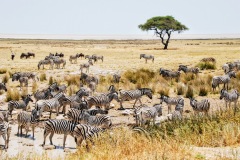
(115, 16)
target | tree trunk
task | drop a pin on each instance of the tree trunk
(165, 45)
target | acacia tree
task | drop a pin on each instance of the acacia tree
(163, 26)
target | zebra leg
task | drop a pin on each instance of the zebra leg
(121, 106)
(33, 129)
(64, 140)
(235, 107)
(50, 138)
(136, 102)
(26, 129)
(18, 129)
(5, 140)
(45, 134)
(169, 109)
(21, 130)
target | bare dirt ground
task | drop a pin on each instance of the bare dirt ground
(118, 57)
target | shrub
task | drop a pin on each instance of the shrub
(206, 65)
(203, 91)
(43, 77)
(189, 93)
(12, 94)
(5, 78)
(3, 70)
(72, 80)
(50, 80)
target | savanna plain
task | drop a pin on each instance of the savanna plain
(216, 136)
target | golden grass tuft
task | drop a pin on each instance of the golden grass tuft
(43, 77)
(164, 91)
(3, 70)
(72, 89)
(34, 86)
(189, 92)
(6, 78)
(206, 65)
(12, 94)
(72, 80)
(180, 89)
(50, 81)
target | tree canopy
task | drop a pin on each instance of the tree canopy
(162, 26)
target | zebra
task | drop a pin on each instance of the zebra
(230, 97)
(45, 94)
(127, 95)
(19, 104)
(5, 131)
(147, 57)
(216, 80)
(78, 96)
(171, 101)
(58, 126)
(116, 78)
(25, 120)
(3, 87)
(58, 62)
(74, 57)
(185, 69)
(146, 113)
(163, 72)
(95, 111)
(46, 62)
(54, 87)
(85, 132)
(50, 104)
(92, 86)
(96, 58)
(179, 108)
(86, 65)
(102, 100)
(4, 116)
(202, 106)
(209, 59)
(79, 105)
(83, 117)
(21, 79)
(29, 75)
(31, 54)
(88, 57)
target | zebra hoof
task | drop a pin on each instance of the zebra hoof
(121, 108)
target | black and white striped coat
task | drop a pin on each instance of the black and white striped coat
(116, 78)
(185, 69)
(74, 58)
(147, 57)
(84, 78)
(83, 117)
(5, 131)
(46, 62)
(216, 80)
(86, 65)
(102, 100)
(171, 101)
(230, 97)
(58, 62)
(45, 94)
(128, 95)
(202, 106)
(50, 104)
(4, 116)
(26, 120)
(54, 126)
(85, 132)
(3, 87)
(19, 104)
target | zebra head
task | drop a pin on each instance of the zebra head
(182, 67)
(159, 109)
(142, 55)
(82, 92)
(179, 107)
(34, 115)
(90, 62)
(15, 77)
(162, 98)
(192, 102)
(232, 74)
(147, 92)
(223, 93)
(112, 88)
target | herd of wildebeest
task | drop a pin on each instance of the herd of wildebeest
(86, 112)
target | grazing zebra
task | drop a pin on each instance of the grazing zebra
(74, 57)
(58, 62)
(185, 69)
(88, 57)
(147, 57)
(92, 86)
(3, 86)
(96, 58)
(144, 114)
(45, 94)
(95, 111)
(209, 59)
(102, 100)
(46, 62)
(4, 116)
(19, 104)
(173, 74)
(163, 72)
(85, 132)
(86, 65)
(83, 117)
(116, 78)
(78, 96)
(171, 101)
(128, 95)
(216, 80)
(230, 97)
(84, 78)
(202, 106)
(23, 80)
(5, 131)
(59, 127)
(31, 54)
(29, 75)
(50, 104)
(25, 120)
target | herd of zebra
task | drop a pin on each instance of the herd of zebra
(81, 120)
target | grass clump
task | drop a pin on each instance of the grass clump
(206, 65)
(164, 91)
(203, 91)
(5, 78)
(12, 94)
(3, 70)
(72, 89)
(43, 77)
(50, 80)
(72, 80)
(180, 90)
(189, 93)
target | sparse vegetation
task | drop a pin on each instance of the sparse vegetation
(164, 91)
(5, 78)
(180, 90)
(50, 80)
(34, 87)
(12, 94)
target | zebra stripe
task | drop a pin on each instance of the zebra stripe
(185, 69)
(46, 62)
(5, 131)
(202, 106)
(58, 127)
(128, 95)
(3, 86)
(216, 80)
(86, 65)
(45, 94)
(74, 57)
(4, 116)
(230, 97)
(171, 101)
(25, 120)
(58, 62)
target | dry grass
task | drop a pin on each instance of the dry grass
(43, 77)
(12, 94)
(5, 78)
